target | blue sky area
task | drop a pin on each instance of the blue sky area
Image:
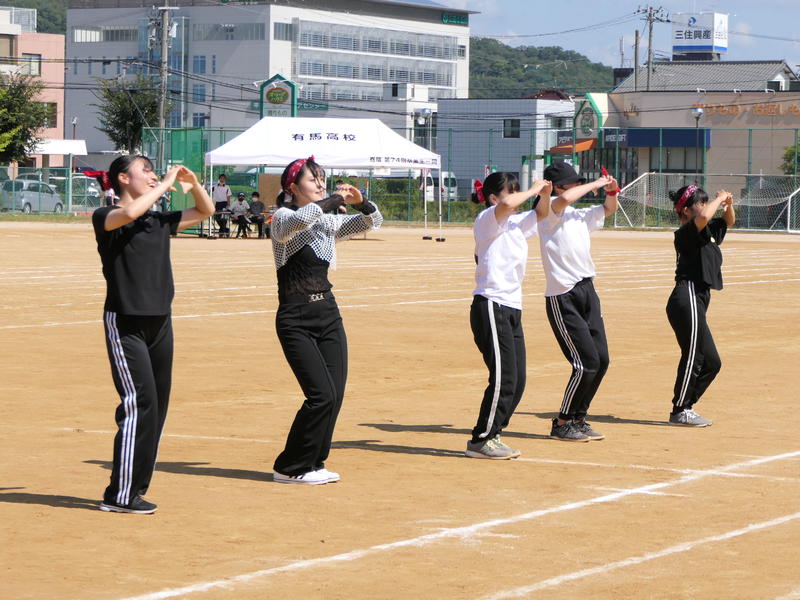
(759, 30)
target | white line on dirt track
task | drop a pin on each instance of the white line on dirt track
(521, 592)
(793, 595)
(469, 531)
(174, 435)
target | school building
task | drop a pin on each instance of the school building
(347, 56)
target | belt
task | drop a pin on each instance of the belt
(305, 298)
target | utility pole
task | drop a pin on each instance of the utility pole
(652, 15)
(636, 62)
(163, 73)
(622, 53)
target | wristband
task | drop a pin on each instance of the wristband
(612, 193)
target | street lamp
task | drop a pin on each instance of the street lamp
(697, 112)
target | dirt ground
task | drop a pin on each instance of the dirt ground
(652, 511)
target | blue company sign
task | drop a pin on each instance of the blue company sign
(674, 138)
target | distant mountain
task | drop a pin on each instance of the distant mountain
(500, 71)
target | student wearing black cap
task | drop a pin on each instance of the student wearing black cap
(573, 307)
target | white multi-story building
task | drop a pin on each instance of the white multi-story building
(338, 51)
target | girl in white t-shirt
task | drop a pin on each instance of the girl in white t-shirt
(501, 251)
(573, 307)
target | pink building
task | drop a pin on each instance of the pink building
(40, 55)
(36, 52)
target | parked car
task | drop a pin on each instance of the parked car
(85, 190)
(27, 196)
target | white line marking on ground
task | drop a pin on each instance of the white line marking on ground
(465, 532)
(611, 489)
(650, 468)
(793, 595)
(521, 592)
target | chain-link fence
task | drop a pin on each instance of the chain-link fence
(764, 165)
(762, 202)
(47, 190)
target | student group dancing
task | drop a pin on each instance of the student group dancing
(134, 245)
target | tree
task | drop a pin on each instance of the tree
(51, 14)
(500, 71)
(22, 117)
(126, 107)
(788, 165)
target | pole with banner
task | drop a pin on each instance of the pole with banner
(277, 97)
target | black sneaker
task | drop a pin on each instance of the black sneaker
(138, 506)
(586, 429)
(567, 432)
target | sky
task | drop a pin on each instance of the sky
(751, 24)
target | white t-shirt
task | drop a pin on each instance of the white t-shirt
(566, 247)
(221, 193)
(502, 251)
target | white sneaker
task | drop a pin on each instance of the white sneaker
(332, 477)
(310, 478)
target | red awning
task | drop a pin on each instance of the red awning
(579, 147)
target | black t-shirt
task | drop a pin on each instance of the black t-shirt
(699, 257)
(304, 273)
(136, 262)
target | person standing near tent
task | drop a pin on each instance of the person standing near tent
(697, 272)
(572, 304)
(308, 322)
(221, 195)
(501, 252)
(134, 245)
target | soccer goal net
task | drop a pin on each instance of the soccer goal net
(762, 202)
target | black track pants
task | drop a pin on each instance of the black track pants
(700, 362)
(140, 352)
(577, 322)
(497, 331)
(313, 340)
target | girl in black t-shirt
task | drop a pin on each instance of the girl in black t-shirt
(308, 323)
(698, 271)
(133, 243)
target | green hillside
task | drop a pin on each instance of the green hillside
(52, 15)
(500, 71)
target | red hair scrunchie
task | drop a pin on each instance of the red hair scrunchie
(102, 177)
(479, 191)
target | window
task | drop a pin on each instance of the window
(462, 51)
(104, 64)
(510, 128)
(198, 119)
(8, 48)
(213, 64)
(211, 32)
(199, 92)
(676, 160)
(283, 32)
(52, 115)
(31, 64)
(119, 33)
(87, 34)
(199, 64)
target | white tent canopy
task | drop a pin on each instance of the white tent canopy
(335, 143)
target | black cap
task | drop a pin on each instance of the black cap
(561, 173)
(241, 195)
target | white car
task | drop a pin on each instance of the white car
(28, 196)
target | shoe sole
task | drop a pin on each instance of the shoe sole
(596, 438)
(691, 424)
(562, 439)
(119, 509)
(300, 482)
(474, 454)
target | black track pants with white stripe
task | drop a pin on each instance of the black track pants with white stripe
(497, 331)
(140, 352)
(700, 362)
(577, 322)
